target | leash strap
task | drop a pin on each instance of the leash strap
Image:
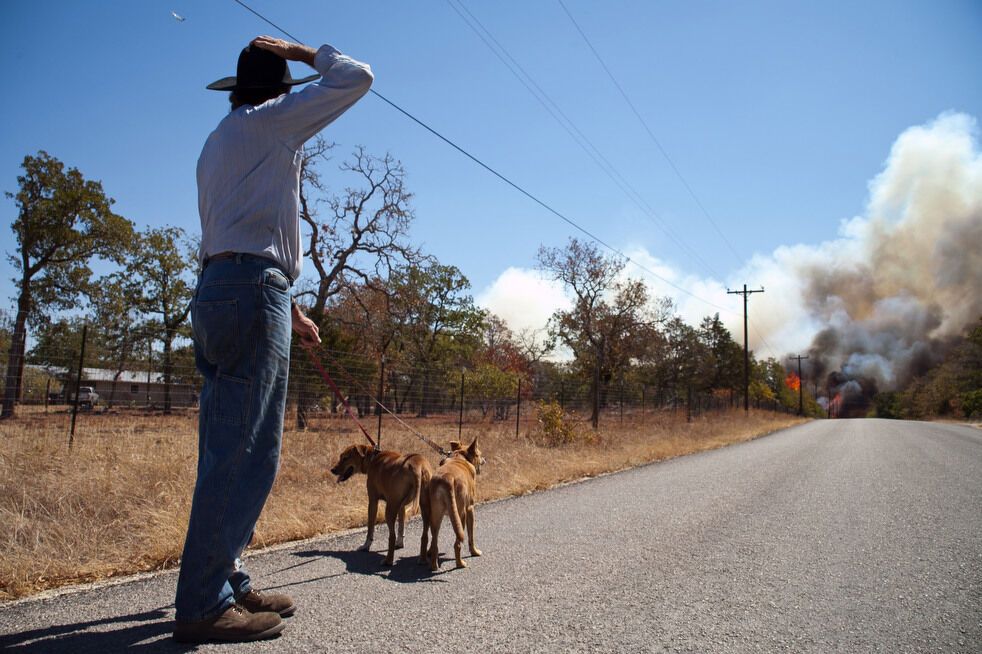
(442, 452)
(337, 393)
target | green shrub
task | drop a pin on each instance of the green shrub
(554, 427)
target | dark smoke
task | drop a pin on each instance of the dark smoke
(889, 312)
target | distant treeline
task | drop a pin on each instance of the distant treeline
(376, 296)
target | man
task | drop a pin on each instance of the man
(242, 314)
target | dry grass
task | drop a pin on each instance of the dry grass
(118, 501)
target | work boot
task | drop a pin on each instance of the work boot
(236, 625)
(257, 602)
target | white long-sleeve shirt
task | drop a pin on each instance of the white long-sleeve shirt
(249, 169)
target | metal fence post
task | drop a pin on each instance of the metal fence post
(381, 398)
(688, 405)
(518, 409)
(460, 421)
(78, 386)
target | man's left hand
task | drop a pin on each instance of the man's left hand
(305, 328)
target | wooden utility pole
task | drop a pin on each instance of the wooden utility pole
(801, 385)
(746, 350)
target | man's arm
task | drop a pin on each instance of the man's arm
(296, 117)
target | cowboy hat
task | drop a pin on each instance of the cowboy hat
(259, 69)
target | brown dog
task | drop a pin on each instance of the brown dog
(400, 480)
(452, 491)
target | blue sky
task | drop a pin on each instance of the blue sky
(778, 114)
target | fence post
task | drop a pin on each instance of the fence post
(149, 368)
(644, 387)
(460, 421)
(380, 399)
(78, 386)
(688, 404)
(622, 401)
(518, 409)
(47, 392)
(562, 395)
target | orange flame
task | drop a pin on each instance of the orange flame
(793, 381)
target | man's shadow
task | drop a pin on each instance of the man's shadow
(74, 637)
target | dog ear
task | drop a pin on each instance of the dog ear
(473, 448)
(455, 446)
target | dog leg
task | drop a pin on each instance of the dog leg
(436, 517)
(372, 517)
(390, 521)
(423, 541)
(400, 543)
(458, 529)
(470, 532)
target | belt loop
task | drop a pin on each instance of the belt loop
(238, 258)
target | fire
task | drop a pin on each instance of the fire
(793, 381)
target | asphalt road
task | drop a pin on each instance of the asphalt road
(835, 536)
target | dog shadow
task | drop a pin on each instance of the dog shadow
(406, 570)
(77, 637)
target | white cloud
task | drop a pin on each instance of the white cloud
(524, 299)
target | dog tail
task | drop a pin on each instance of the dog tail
(412, 505)
(458, 528)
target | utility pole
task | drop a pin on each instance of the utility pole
(746, 350)
(801, 409)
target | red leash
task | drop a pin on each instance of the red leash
(337, 393)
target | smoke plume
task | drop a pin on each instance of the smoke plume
(885, 299)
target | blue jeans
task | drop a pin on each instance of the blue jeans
(240, 316)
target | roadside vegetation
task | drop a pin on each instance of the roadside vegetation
(118, 501)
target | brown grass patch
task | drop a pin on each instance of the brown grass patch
(118, 501)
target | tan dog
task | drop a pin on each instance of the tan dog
(452, 491)
(400, 480)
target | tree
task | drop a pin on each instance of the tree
(163, 265)
(681, 361)
(116, 311)
(441, 320)
(611, 319)
(63, 222)
(365, 234)
(725, 356)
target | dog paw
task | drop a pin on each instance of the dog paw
(388, 563)
(366, 547)
(399, 544)
(461, 564)
(475, 552)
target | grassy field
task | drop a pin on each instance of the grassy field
(117, 502)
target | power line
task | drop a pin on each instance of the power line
(570, 127)
(506, 180)
(651, 134)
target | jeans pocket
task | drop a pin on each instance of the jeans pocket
(230, 400)
(276, 279)
(216, 329)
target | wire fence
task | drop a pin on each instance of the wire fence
(376, 390)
